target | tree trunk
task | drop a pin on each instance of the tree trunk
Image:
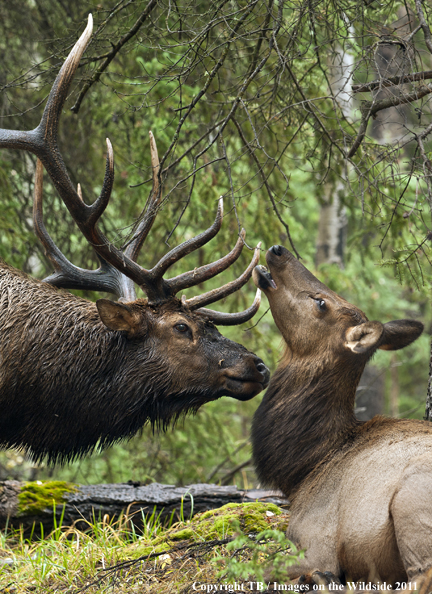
(331, 228)
(333, 222)
(33, 504)
(370, 394)
(428, 412)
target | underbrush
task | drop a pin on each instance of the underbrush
(219, 550)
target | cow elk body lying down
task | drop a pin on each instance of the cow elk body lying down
(360, 492)
(75, 374)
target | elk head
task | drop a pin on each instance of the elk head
(316, 323)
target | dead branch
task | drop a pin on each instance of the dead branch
(112, 54)
(391, 82)
(424, 25)
(371, 108)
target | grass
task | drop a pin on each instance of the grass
(212, 548)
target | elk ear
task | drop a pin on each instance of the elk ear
(364, 337)
(117, 316)
(400, 333)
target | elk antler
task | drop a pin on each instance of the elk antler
(119, 269)
(66, 275)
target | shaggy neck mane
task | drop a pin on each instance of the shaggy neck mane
(304, 415)
(91, 401)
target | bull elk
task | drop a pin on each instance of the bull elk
(75, 375)
(360, 492)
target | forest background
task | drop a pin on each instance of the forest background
(311, 118)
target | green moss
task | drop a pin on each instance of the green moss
(184, 534)
(37, 496)
(252, 517)
(141, 550)
(218, 523)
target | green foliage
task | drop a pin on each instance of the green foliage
(253, 558)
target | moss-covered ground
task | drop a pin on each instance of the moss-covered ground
(115, 558)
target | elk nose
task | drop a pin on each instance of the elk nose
(264, 370)
(277, 250)
(261, 367)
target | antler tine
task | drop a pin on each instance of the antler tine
(203, 273)
(232, 319)
(66, 275)
(216, 294)
(99, 205)
(188, 246)
(133, 248)
(42, 141)
(36, 140)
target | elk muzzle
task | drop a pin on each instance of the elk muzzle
(245, 379)
(285, 273)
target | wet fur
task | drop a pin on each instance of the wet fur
(69, 385)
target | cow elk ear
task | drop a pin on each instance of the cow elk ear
(117, 316)
(400, 333)
(364, 337)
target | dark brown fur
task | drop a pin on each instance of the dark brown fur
(360, 492)
(69, 384)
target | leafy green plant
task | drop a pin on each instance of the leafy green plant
(256, 558)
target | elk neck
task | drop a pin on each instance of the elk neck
(306, 413)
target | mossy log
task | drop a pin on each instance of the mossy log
(38, 504)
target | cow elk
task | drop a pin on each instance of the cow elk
(76, 375)
(360, 492)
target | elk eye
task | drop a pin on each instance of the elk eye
(181, 327)
(321, 304)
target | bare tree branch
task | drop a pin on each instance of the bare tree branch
(392, 81)
(112, 54)
(371, 108)
(424, 25)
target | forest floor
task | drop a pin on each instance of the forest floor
(230, 549)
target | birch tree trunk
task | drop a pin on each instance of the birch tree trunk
(332, 230)
(332, 225)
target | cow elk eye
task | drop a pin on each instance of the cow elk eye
(181, 327)
(321, 304)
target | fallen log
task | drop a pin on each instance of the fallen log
(41, 505)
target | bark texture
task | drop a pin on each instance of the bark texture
(428, 412)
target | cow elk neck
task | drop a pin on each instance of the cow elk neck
(76, 374)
